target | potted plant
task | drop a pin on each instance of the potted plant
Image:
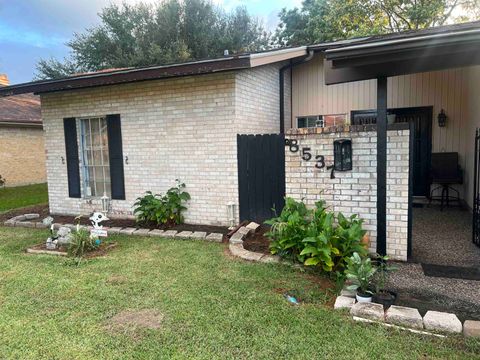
(360, 273)
(382, 295)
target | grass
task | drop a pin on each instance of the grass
(213, 307)
(20, 196)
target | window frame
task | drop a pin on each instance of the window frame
(320, 118)
(86, 163)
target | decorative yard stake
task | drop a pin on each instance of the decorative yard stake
(98, 230)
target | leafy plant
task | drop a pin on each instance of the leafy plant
(80, 244)
(314, 237)
(289, 229)
(360, 272)
(383, 270)
(162, 209)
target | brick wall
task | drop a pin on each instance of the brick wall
(177, 128)
(354, 192)
(22, 155)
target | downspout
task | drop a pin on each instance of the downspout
(282, 86)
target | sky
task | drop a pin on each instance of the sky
(35, 29)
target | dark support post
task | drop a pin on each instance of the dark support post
(382, 165)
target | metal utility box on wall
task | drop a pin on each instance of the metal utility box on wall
(342, 150)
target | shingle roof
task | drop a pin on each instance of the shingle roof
(20, 109)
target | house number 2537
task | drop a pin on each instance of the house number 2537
(306, 153)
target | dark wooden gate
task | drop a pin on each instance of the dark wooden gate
(261, 175)
(476, 192)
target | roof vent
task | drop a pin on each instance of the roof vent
(4, 80)
(225, 52)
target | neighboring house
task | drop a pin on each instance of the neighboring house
(124, 132)
(22, 151)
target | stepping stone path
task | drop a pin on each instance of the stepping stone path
(441, 321)
(404, 316)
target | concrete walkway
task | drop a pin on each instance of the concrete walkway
(443, 237)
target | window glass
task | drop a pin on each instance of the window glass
(95, 160)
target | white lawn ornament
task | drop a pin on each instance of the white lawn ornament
(96, 219)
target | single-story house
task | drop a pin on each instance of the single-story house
(127, 131)
(22, 151)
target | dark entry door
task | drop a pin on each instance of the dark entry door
(421, 118)
(261, 175)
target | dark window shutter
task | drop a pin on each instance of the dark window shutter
(115, 152)
(71, 148)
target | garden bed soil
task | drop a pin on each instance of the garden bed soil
(123, 223)
(102, 250)
(257, 241)
(42, 210)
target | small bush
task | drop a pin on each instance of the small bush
(81, 244)
(316, 237)
(162, 209)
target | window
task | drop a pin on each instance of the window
(309, 121)
(321, 121)
(94, 155)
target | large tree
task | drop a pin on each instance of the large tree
(166, 32)
(325, 20)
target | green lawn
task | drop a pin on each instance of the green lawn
(20, 196)
(213, 306)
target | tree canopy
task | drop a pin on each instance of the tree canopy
(166, 32)
(180, 30)
(325, 20)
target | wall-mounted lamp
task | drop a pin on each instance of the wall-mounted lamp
(442, 119)
(342, 150)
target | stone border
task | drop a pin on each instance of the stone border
(407, 318)
(23, 221)
(237, 249)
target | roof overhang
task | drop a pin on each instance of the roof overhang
(130, 75)
(402, 56)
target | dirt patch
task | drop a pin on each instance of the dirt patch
(102, 250)
(320, 290)
(132, 319)
(258, 242)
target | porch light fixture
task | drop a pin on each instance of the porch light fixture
(442, 119)
(105, 203)
(342, 150)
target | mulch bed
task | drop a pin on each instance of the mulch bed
(35, 209)
(102, 250)
(66, 219)
(257, 241)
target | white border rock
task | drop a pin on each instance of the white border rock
(237, 249)
(22, 221)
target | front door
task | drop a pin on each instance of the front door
(421, 118)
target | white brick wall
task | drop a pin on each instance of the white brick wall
(354, 192)
(176, 128)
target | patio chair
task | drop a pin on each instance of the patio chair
(445, 172)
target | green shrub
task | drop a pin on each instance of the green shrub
(81, 244)
(316, 237)
(289, 229)
(162, 209)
